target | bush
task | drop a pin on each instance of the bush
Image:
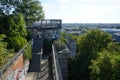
(17, 43)
(5, 54)
(28, 53)
(3, 50)
(106, 66)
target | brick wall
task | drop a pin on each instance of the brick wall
(18, 63)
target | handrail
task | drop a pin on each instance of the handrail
(47, 24)
(10, 62)
(56, 64)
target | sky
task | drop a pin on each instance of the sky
(82, 11)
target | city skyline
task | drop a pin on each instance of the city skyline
(82, 11)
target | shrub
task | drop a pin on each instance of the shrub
(28, 53)
(17, 43)
(5, 54)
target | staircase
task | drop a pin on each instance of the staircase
(36, 55)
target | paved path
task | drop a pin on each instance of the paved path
(32, 76)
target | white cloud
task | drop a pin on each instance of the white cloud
(63, 1)
(83, 10)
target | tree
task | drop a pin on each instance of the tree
(12, 25)
(94, 40)
(31, 10)
(88, 45)
(106, 66)
(7, 7)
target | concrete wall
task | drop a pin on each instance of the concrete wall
(63, 61)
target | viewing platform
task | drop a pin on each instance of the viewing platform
(47, 24)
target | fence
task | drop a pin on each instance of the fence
(71, 44)
(58, 75)
(47, 24)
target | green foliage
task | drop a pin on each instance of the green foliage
(73, 37)
(17, 43)
(12, 25)
(88, 45)
(114, 47)
(3, 50)
(28, 53)
(105, 67)
(3, 24)
(29, 35)
(59, 45)
(94, 40)
(5, 54)
(20, 22)
(2, 36)
(62, 37)
(31, 9)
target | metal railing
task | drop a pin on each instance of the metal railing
(58, 75)
(71, 44)
(47, 24)
(11, 61)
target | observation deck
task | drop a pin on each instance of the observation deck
(47, 24)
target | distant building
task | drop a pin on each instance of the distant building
(115, 33)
